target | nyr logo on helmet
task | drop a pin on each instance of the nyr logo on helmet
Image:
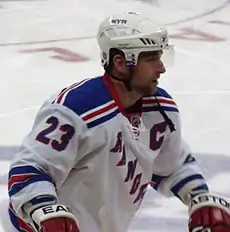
(118, 21)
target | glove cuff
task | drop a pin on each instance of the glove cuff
(52, 211)
(208, 199)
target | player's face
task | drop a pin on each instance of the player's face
(147, 72)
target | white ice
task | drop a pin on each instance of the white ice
(199, 80)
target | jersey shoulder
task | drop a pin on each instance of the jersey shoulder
(163, 93)
(90, 100)
(150, 103)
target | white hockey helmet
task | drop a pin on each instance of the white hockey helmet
(131, 33)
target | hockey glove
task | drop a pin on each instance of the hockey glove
(55, 218)
(209, 213)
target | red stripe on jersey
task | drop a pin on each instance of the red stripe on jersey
(100, 111)
(166, 101)
(22, 224)
(19, 178)
(60, 96)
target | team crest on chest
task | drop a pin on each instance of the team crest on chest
(133, 176)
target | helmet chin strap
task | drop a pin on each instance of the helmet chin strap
(126, 81)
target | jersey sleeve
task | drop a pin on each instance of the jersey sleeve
(175, 170)
(46, 156)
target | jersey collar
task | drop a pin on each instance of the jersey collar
(135, 110)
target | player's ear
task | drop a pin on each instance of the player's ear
(119, 63)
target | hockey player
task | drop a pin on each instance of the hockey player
(97, 145)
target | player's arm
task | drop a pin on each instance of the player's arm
(177, 173)
(41, 165)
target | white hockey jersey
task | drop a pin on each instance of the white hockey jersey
(98, 160)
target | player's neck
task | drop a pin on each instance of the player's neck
(127, 98)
